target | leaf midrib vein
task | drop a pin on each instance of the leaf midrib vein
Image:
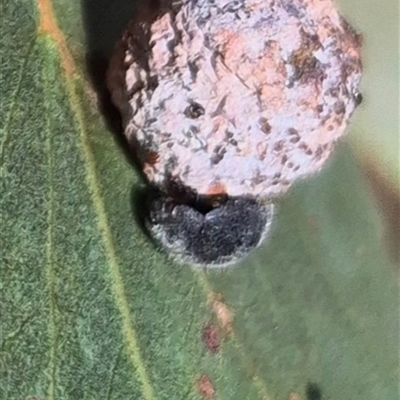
(50, 268)
(49, 27)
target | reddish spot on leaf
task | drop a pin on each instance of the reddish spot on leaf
(222, 312)
(211, 338)
(294, 396)
(206, 388)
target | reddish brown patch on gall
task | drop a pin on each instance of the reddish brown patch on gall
(211, 338)
(206, 388)
(217, 189)
(152, 158)
(149, 160)
(303, 59)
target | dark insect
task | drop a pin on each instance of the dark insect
(358, 98)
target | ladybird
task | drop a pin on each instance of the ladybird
(226, 104)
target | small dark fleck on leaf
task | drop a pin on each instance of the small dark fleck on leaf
(313, 392)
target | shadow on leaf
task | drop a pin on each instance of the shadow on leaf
(104, 22)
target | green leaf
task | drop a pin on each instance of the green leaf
(91, 310)
(376, 130)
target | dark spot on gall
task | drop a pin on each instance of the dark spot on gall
(172, 163)
(265, 126)
(279, 145)
(152, 83)
(303, 146)
(233, 142)
(339, 107)
(186, 171)
(194, 111)
(295, 139)
(218, 155)
(194, 69)
(217, 158)
(318, 152)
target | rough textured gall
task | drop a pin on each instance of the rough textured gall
(236, 97)
(231, 102)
